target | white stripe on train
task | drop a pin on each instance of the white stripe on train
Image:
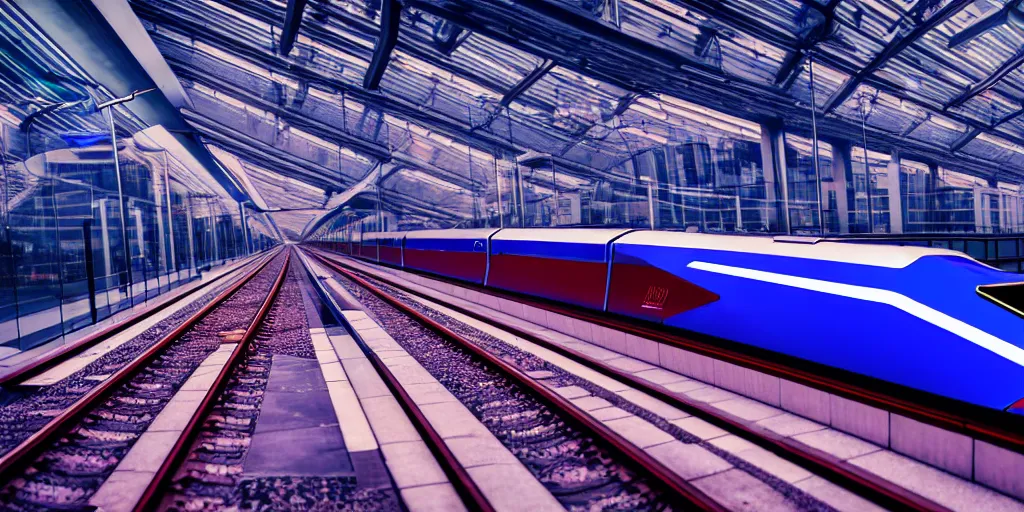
(891, 298)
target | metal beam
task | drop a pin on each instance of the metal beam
(301, 169)
(964, 140)
(292, 21)
(103, 56)
(620, 108)
(390, 21)
(128, 27)
(914, 125)
(257, 151)
(413, 43)
(393, 105)
(1008, 117)
(981, 26)
(894, 48)
(448, 36)
(1005, 69)
(323, 130)
(527, 81)
(790, 68)
(302, 121)
(267, 155)
(516, 91)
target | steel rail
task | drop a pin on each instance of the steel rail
(456, 472)
(669, 481)
(945, 414)
(22, 455)
(59, 355)
(830, 467)
(150, 498)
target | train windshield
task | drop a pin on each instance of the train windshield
(1007, 295)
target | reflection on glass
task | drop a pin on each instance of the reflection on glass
(64, 250)
(868, 193)
(802, 186)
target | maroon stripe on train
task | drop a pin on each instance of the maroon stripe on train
(392, 255)
(576, 282)
(647, 292)
(467, 266)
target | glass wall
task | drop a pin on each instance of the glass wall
(74, 254)
(802, 186)
(868, 192)
(88, 231)
(672, 165)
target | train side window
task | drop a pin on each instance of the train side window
(1009, 296)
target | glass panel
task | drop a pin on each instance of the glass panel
(976, 249)
(545, 207)
(1007, 249)
(955, 212)
(868, 188)
(802, 186)
(920, 199)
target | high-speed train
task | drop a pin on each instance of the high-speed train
(928, 319)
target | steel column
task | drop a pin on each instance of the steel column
(120, 205)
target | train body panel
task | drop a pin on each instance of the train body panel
(388, 246)
(568, 265)
(906, 315)
(368, 249)
(459, 254)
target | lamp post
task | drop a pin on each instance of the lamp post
(814, 151)
(865, 111)
(120, 190)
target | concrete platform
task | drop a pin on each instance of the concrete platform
(297, 413)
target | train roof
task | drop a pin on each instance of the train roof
(846, 252)
(451, 233)
(566, 235)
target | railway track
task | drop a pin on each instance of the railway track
(65, 461)
(204, 471)
(860, 482)
(584, 463)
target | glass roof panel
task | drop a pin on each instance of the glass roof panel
(434, 99)
(569, 101)
(1013, 84)
(885, 111)
(995, 148)
(981, 56)
(989, 107)
(939, 130)
(924, 78)
(826, 82)
(1015, 125)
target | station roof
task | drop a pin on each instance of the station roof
(302, 111)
